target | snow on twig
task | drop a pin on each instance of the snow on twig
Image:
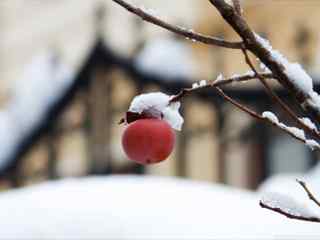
(287, 206)
(279, 101)
(217, 82)
(297, 133)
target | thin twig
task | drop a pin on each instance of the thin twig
(258, 116)
(239, 105)
(310, 194)
(278, 100)
(289, 215)
(218, 83)
(301, 139)
(178, 30)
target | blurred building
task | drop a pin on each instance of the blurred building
(218, 143)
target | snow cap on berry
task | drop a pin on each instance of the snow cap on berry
(158, 105)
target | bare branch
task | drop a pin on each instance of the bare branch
(239, 105)
(178, 30)
(289, 215)
(310, 194)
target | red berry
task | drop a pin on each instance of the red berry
(148, 140)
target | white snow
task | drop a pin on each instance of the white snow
(201, 83)
(296, 74)
(168, 58)
(44, 81)
(235, 75)
(171, 115)
(10, 137)
(299, 77)
(195, 85)
(264, 42)
(295, 131)
(158, 105)
(271, 117)
(312, 144)
(314, 100)
(299, 133)
(308, 123)
(154, 103)
(286, 183)
(219, 77)
(132, 207)
(286, 203)
(250, 73)
(230, 2)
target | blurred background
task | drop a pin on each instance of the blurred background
(69, 70)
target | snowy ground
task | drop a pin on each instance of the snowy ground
(131, 207)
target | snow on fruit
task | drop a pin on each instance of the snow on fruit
(149, 135)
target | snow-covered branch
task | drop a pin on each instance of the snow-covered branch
(294, 132)
(287, 110)
(290, 75)
(289, 207)
(218, 82)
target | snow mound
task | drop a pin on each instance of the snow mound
(132, 207)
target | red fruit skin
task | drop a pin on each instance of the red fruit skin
(148, 141)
